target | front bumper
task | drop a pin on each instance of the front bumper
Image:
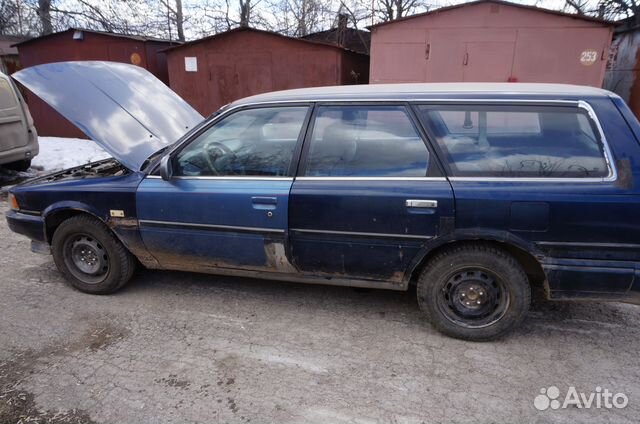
(26, 224)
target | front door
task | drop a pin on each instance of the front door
(368, 196)
(226, 205)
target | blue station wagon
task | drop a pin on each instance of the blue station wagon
(474, 193)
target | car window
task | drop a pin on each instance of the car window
(369, 141)
(7, 97)
(516, 141)
(253, 142)
(461, 122)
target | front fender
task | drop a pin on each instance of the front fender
(67, 205)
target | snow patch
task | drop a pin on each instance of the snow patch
(57, 153)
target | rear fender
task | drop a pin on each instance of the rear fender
(509, 240)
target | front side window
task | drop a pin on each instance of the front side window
(516, 141)
(253, 142)
(366, 141)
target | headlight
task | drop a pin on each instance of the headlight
(13, 203)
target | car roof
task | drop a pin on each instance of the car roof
(416, 91)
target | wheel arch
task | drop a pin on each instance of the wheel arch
(524, 252)
(57, 213)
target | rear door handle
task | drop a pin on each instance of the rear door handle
(264, 203)
(420, 203)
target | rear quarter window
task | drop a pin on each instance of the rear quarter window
(8, 98)
(509, 141)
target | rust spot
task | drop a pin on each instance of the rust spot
(396, 276)
(277, 258)
(625, 177)
(124, 223)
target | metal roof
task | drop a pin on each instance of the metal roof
(352, 39)
(500, 2)
(221, 35)
(425, 90)
(109, 34)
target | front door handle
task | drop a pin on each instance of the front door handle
(420, 203)
(264, 203)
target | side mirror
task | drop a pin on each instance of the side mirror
(165, 168)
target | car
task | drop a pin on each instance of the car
(473, 193)
(18, 136)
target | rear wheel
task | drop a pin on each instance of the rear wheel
(474, 292)
(92, 259)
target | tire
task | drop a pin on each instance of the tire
(474, 292)
(91, 258)
(19, 165)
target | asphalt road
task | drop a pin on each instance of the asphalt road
(188, 348)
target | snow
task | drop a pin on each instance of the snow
(57, 153)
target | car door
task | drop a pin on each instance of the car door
(368, 195)
(226, 205)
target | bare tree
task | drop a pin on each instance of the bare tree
(44, 13)
(395, 9)
(580, 7)
(175, 17)
(612, 9)
(355, 15)
(245, 12)
(7, 17)
(298, 18)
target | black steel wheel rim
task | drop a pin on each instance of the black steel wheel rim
(86, 258)
(473, 297)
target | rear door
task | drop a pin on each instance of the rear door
(368, 195)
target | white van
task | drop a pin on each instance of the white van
(18, 137)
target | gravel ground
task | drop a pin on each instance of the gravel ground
(186, 348)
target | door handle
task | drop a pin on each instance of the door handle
(264, 203)
(419, 203)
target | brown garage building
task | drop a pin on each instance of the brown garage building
(80, 44)
(213, 71)
(491, 41)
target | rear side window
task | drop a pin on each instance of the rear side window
(7, 97)
(516, 141)
(366, 141)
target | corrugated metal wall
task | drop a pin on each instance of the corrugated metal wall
(247, 62)
(490, 42)
(93, 46)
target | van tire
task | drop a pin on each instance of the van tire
(89, 255)
(19, 165)
(474, 292)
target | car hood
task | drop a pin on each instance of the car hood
(124, 108)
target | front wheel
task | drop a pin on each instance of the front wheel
(474, 292)
(91, 258)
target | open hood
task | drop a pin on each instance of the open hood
(125, 109)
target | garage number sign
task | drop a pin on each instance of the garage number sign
(588, 57)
